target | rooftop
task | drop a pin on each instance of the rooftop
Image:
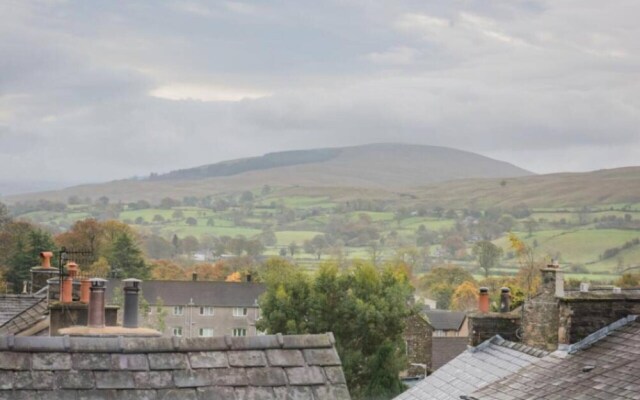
(198, 293)
(445, 320)
(13, 304)
(605, 365)
(260, 367)
(473, 369)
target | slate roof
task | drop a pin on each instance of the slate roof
(445, 349)
(200, 293)
(26, 319)
(259, 367)
(474, 368)
(445, 320)
(13, 304)
(605, 368)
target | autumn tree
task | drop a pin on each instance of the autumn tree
(465, 297)
(528, 276)
(487, 254)
(165, 270)
(440, 283)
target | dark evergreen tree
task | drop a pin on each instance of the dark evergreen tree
(126, 259)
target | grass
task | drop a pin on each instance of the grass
(286, 237)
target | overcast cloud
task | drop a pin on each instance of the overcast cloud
(93, 91)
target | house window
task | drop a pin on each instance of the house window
(206, 310)
(239, 332)
(178, 310)
(205, 332)
(439, 333)
(177, 331)
(240, 312)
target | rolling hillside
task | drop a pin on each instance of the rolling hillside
(383, 167)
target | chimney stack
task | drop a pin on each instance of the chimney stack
(131, 298)
(505, 300)
(96, 303)
(483, 300)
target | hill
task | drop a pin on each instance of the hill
(610, 186)
(377, 166)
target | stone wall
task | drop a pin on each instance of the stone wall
(581, 314)
(418, 338)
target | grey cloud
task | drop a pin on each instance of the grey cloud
(525, 81)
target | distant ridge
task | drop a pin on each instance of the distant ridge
(235, 167)
(381, 167)
(444, 163)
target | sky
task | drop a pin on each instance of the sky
(99, 90)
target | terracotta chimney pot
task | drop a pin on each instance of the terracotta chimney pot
(45, 257)
(483, 300)
(85, 285)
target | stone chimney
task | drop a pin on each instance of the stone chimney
(484, 325)
(505, 300)
(541, 312)
(131, 299)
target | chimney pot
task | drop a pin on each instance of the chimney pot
(131, 300)
(96, 303)
(66, 296)
(45, 258)
(85, 284)
(505, 300)
(483, 300)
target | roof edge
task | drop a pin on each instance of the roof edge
(120, 344)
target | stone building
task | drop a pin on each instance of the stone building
(199, 308)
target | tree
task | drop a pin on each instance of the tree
(530, 225)
(363, 306)
(191, 221)
(177, 214)
(268, 237)
(528, 276)
(23, 243)
(126, 259)
(4, 215)
(487, 254)
(293, 248)
(158, 218)
(246, 197)
(441, 282)
(465, 297)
